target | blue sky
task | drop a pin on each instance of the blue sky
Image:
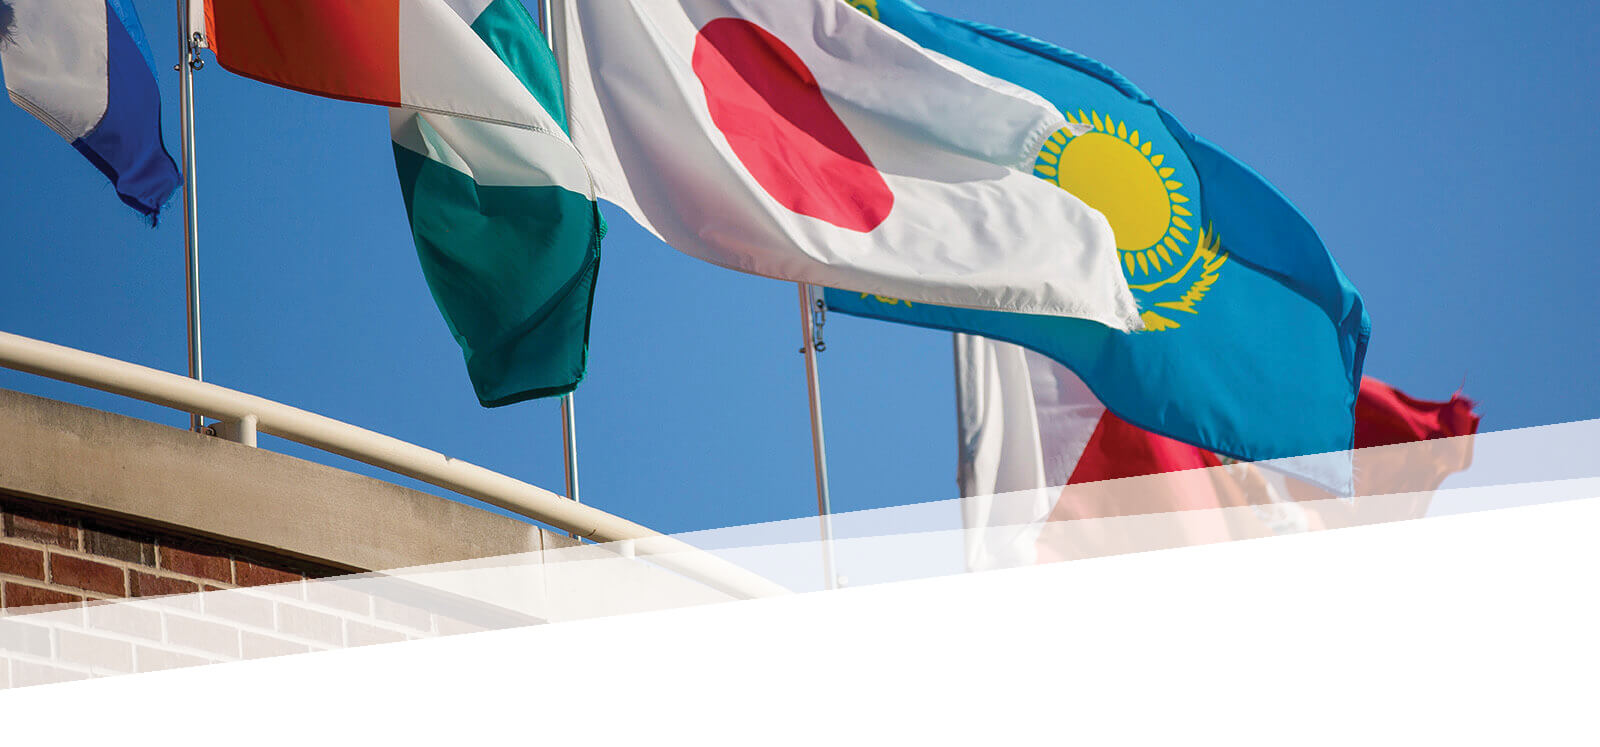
(1445, 151)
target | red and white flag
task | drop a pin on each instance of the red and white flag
(413, 54)
(803, 140)
(1047, 473)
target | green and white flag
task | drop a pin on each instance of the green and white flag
(504, 218)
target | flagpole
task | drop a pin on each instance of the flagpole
(569, 426)
(569, 439)
(188, 62)
(810, 308)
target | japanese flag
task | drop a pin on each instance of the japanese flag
(804, 141)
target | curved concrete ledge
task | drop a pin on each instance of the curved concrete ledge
(160, 477)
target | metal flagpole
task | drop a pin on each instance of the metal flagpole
(569, 429)
(569, 437)
(811, 310)
(188, 62)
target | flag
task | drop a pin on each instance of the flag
(416, 54)
(1028, 426)
(1254, 338)
(500, 203)
(804, 142)
(510, 250)
(83, 68)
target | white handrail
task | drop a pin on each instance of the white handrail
(336, 437)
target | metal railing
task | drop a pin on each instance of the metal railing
(242, 415)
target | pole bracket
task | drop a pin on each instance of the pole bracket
(241, 431)
(196, 42)
(819, 319)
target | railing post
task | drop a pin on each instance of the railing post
(240, 431)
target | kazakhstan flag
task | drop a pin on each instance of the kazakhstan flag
(1255, 338)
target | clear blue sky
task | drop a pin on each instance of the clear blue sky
(1446, 152)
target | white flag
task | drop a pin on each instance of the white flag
(1048, 473)
(804, 141)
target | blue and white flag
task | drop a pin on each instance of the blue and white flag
(83, 67)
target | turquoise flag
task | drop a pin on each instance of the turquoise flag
(1255, 338)
(505, 226)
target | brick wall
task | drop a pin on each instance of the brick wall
(46, 645)
(49, 556)
(85, 596)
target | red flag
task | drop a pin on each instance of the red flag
(1028, 423)
(414, 54)
(1385, 416)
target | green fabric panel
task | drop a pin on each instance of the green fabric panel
(512, 270)
(512, 33)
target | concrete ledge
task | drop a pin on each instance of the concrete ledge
(162, 477)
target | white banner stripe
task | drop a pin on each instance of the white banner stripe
(492, 155)
(446, 68)
(56, 63)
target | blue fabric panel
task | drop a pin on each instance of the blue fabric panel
(127, 145)
(1257, 338)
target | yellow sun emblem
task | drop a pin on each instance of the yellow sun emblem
(870, 7)
(1116, 172)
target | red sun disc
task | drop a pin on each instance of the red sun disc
(768, 105)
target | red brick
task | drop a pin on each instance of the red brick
(155, 659)
(339, 596)
(202, 635)
(118, 545)
(303, 623)
(22, 561)
(452, 626)
(66, 570)
(22, 638)
(95, 652)
(124, 620)
(151, 585)
(361, 634)
(26, 674)
(255, 646)
(250, 574)
(202, 565)
(20, 595)
(44, 529)
(401, 614)
(241, 608)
